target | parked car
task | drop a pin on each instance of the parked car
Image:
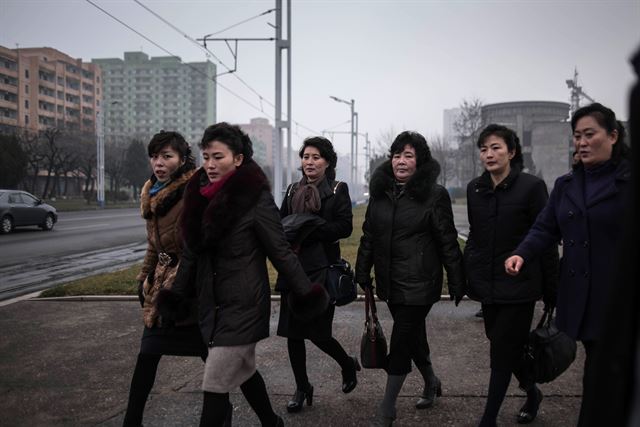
(19, 208)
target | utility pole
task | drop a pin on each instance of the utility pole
(100, 158)
(282, 124)
(354, 137)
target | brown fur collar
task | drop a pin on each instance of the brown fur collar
(166, 198)
(204, 222)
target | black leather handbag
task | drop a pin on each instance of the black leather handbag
(373, 346)
(549, 352)
(340, 283)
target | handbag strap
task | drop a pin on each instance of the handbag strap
(547, 317)
(370, 305)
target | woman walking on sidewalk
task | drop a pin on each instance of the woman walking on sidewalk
(230, 224)
(161, 206)
(319, 210)
(408, 236)
(584, 212)
(502, 204)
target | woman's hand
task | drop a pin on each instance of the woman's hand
(513, 264)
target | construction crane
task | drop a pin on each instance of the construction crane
(576, 93)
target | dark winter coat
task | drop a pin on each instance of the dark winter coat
(590, 235)
(409, 238)
(227, 240)
(161, 213)
(319, 248)
(499, 218)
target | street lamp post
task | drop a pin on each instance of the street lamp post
(100, 152)
(354, 131)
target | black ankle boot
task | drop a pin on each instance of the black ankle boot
(429, 395)
(529, 411)
(296, 402)
(349, 378)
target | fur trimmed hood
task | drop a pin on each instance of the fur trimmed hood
(204, 221)
(419, 185)
(166, 198)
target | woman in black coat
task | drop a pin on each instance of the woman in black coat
(322, 208)
(408, 236)
(230, 225)
(502, 204)
(584, 212)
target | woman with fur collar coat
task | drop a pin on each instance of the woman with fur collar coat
(161, 206)
(230, 225)
(408, 236)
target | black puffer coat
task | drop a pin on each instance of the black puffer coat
(498, 221)
(227, 240)
(409, 238)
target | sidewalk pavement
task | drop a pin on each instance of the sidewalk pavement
(70, 363)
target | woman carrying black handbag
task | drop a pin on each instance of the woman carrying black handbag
(502, 205)
(408, 236)
(318, 208)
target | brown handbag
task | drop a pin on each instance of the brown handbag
(373, 346)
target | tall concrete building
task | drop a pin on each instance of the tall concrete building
(263, 136)
(144, 95)
(43, 88)
(449, 133)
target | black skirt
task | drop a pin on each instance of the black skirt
(174, 341)
(290, 326)
(507, 326)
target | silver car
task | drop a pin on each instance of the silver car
(19, 208)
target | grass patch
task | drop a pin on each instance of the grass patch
(124, 282)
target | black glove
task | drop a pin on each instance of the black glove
(141, 293)
(366, 285)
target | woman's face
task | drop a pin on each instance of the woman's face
(313, 164)
(404, 164)
(219, 160)
(592, 142)
(495, 155)
(165, 162)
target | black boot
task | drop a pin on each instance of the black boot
(529, 411)
(429, 395)
(349, 378)
(297, 401)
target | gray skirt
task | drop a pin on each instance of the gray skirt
(227, 368)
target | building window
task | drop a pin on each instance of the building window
(26, 119)
(26, 104)
(26, 88)
(26, 74)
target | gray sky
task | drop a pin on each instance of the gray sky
(402, 61)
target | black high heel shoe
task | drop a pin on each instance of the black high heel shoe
(529, 411)
(429, 395)
(296, 402)
(349, 378)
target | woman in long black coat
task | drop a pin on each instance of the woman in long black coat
(408, 236)
(584, 212)
(502, 204)
(322, 207)
(230, 224)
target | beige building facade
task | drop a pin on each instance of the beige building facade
(42, 88)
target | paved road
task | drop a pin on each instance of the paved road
(81, 243)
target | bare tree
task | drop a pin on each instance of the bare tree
(445, 156)
(136, 165)
(115, 154)
(32, 146)
(468, 127)
(13, 161)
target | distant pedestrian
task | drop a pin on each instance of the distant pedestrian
(322, 207)
(161, 206)
(584, 212)
(408, 236)
(230, 225)
(502, 204)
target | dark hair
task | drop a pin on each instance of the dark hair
(230, 135)
(509, 137)
(415, 140)
(325, 147)
(177, 142)
(607, 119)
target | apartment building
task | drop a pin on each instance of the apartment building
(144, 95)
(42, 88)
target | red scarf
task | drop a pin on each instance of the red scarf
(212, 188)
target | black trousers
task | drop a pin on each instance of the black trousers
(408, 338)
